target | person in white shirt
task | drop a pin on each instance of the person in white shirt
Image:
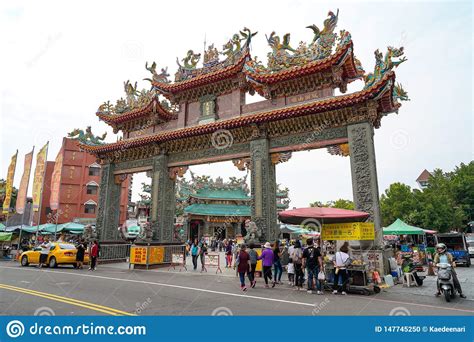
(45, 248)
(291, 272)
(340, 261)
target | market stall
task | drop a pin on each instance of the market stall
(408, 241)
(5, 245)
(335, 225)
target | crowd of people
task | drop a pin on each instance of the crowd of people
(303, 265)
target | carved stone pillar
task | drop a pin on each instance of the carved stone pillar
(163, 200)
(364, 174)
(108, 211)
(263, 187)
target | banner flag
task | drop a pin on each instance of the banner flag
(56, 181)
(25, 180)
(9, 184)
(38, 181)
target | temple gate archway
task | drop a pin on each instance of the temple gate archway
(202, 117)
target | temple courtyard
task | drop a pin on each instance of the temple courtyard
(114, 289)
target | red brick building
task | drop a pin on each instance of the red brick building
(79, 186)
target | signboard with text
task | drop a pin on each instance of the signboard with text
(157, 255)
(348, 231)
(138, 255)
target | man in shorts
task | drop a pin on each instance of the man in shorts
(45, 247)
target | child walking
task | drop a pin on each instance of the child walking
(291, 272)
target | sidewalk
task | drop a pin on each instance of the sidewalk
(465, 276)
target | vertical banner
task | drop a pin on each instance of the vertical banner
(25, 180)
(56, 181)
(38, 181)
(9, 184)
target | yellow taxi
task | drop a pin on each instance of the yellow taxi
(61, 253)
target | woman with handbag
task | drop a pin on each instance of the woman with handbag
(341, 260)
(297, 257)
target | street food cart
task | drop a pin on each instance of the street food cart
(409, 240)
(364, 263)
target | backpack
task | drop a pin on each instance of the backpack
(311, 260)
(297, 256)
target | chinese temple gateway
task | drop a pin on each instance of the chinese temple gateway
(202, 117)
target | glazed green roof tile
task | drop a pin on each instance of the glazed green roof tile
(218, 209)
(227, 194)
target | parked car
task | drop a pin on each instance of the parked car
(130, 229)
(59, 254)
(457, 246)
(470, 241)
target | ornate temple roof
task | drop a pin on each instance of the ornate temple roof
(381, 91)
(343, 57)
(221, 194)
(228, 210)
(213, 75)
(153, 107)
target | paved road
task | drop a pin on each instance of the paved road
(116, 290)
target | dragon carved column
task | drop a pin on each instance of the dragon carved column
(108, 210)
(163, 200)
(263, 187)
(364, 174)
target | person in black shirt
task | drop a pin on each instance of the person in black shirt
(313, 262)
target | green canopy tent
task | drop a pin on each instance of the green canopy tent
(401, 228)
(73, 227)
(51, 228)
(2, 227)
(5, 237)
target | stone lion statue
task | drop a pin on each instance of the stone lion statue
(254, 233)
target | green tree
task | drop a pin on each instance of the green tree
(438, 208)
(462, 186)
(340, 203)
(398, 201)
(343, 204)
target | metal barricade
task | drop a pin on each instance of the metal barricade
(154, 255)
(114, 253)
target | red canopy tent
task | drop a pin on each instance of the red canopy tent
(322, 214)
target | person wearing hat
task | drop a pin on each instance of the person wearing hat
(267, 263)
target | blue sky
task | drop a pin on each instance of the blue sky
(61, 60)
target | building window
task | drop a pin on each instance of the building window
(92, 189)
(94, 171)
(89, 208)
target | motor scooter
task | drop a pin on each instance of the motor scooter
(445, 281)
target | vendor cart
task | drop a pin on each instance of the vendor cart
(358, 279)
